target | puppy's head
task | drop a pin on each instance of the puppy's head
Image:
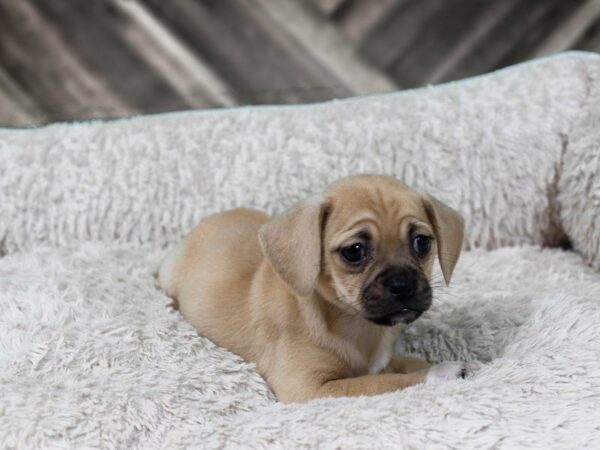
(367, 245)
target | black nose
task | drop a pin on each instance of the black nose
(400, 284)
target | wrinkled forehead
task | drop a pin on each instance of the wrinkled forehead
(386, 206)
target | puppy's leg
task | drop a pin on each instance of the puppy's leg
(406, 364)
(371, 384)
(317, 374)
(390, 382)
(301, 389)
(364, 385)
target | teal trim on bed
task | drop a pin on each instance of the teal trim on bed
(518, 66)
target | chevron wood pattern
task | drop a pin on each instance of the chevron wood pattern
(75, 59)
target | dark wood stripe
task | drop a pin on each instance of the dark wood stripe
(16, 106)
(447, 27)
(320, 39)
(590, 39)
(330, 7)
(571, 30)
(502, 40)
(550, 15)
(92, 30)
(397, 31)
(64, 85)
(359, 17)
(228, 36)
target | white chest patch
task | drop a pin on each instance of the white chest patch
(381, 357)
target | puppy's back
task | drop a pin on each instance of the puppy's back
(221, 243)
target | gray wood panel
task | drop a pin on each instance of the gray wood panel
(590, 39)
(419, 60)
(506, 42)
(93, 31)
(77, 59)
(398, 30)
(43, 65)
(253, 55)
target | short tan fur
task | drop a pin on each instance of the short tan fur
(280, 293)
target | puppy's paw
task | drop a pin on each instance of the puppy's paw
(447, 371)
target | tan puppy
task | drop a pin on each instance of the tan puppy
(317, 296)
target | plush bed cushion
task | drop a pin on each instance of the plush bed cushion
(490, 146)
(578, 187)
(93, 356)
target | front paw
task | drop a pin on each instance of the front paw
(447, 371)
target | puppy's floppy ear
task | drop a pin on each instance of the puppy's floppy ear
(292, 243)
(449, 229)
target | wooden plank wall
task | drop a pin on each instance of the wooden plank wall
(77, 59)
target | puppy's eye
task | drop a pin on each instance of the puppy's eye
(354, 254)
(421, 244)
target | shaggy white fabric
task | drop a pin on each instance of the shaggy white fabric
(490, 146)
(91, 355)
(579, 183)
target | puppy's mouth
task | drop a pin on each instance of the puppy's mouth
(388, 310)
(404, 315)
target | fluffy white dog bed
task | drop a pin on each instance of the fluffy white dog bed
(91, 354)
